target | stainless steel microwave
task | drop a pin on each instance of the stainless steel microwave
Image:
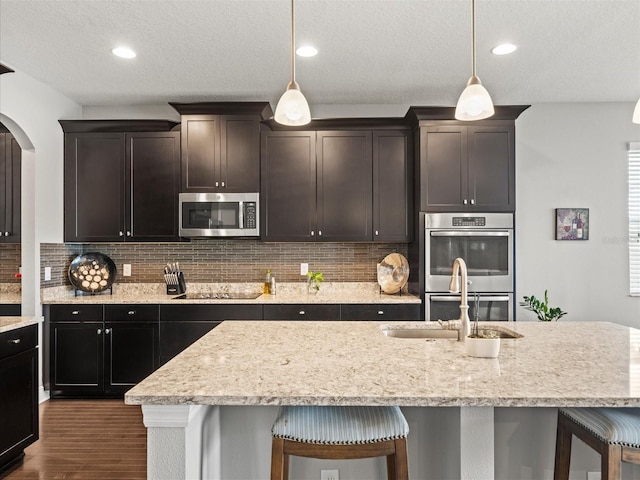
(219, 214)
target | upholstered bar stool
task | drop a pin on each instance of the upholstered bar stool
(612, 432)
(340, 433)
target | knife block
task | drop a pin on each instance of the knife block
(180, 287)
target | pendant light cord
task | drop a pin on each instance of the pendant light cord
(293, 42)
(473, 38)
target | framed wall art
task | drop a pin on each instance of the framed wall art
(572, 224)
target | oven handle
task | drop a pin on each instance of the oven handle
(454, 298)
(478, 233)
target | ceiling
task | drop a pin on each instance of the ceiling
(401, 52)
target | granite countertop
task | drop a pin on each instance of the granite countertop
(354, 363)
(292, 293)
(10, 293)
(11, 323)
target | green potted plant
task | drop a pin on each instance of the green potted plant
(542, 309)
(314, 279)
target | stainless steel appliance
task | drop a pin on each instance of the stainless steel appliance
(219, 215)
(485, 242)
(492, 306)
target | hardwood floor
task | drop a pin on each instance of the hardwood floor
(86, 439)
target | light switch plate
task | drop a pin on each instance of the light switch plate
(594, 476)
(304, 268)
(126, 270)
(47, 273)
(329, 474)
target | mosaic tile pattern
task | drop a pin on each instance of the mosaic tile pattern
(9, 262)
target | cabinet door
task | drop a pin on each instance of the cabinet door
(10, 164)
(131, 354)
(302, 312)
(392, 197)
(444, 162)
(492, 168)
(176, 336)
(344, 182)
(288, 203)
(76, 358)
(18, 404)
(200, 153)
(94, 187)
(239, 153)
(152, 183)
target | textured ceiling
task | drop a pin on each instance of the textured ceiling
(410, 52)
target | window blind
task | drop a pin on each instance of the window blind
(634, 218)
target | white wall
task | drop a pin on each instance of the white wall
(575, 155)
(35, 109)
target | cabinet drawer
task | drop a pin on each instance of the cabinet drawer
(381, 312)
(78, 313)
(10, 310)
(302, 312)
(208, 312)
(18, 340)
(125, 313)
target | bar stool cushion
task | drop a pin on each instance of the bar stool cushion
(620, 426)
(339, 425)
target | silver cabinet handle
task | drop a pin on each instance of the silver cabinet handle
(6, 234)
(75, 312)
(464, 201)
(319, 233)
(312, 234)
(380, 312)
(301, 312)
(377, 232)
(15, 341)
(128, 233)
(107, 331)
(473, 201)
(131, 312)
(223, 184)
(99, 331)
(120, 234)
(216, 184)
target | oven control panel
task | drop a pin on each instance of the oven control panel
(469, 221)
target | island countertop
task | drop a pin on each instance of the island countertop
(354, 363)
(12, 323)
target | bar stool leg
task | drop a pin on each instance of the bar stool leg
(277, 460)
(611, 458)
(563, 450)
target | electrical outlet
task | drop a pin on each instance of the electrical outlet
(126, 270)
(47, 273)
(304, 268)
(329, 474)
(594, 476)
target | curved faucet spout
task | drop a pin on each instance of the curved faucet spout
(459, 265)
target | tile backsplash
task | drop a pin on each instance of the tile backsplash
(225, 260)
(9, 262)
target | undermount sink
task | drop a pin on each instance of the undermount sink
(433, 330)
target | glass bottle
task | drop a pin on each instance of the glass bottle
(580, 228)
(267, 283)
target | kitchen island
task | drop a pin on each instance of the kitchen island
(354, 363)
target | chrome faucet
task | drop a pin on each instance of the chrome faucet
(454, 287)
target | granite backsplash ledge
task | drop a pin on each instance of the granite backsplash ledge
(225, 260)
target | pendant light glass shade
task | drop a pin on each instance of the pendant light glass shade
(292, 108)
(475, 102)
(636, 113)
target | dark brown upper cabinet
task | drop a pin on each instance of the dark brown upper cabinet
(221, 146)
(468, 168)
(10, 165)
(392, 187)
(121, 186)
(317, 186)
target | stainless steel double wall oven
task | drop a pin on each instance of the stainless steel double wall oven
(485, 242)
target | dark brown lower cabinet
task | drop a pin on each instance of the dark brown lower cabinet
(391, 312)
(302, 312)
(18, 393)
(10, 310)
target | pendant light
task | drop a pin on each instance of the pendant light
(636, 113)
(474, 102)
(292, 108)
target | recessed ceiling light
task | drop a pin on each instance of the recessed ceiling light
(123, 52)
(504, 49)
(307, 51)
